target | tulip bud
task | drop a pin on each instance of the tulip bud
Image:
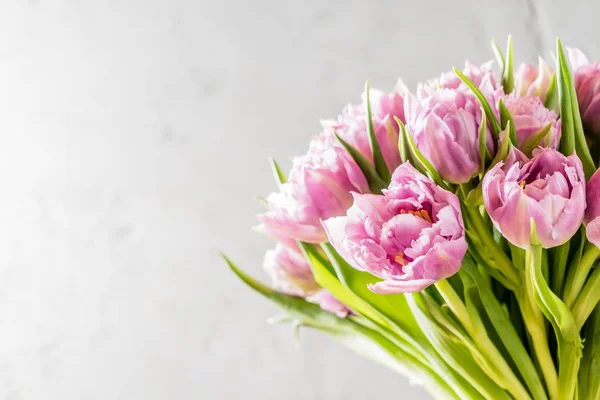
(530, 117)
(587, 86)
(533, 81)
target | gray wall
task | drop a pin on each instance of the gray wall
(134, 136)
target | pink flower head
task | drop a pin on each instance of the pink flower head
(318, 187)
(289, 271)
(445, 128)
(532, 81)
(587, 87)
(530, 116)
(482, 77)
(411, 236)
(550, 188)
(291, 274)
(351, 125)
(592, 212)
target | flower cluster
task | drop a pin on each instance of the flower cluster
(411, 233)
(424, 220)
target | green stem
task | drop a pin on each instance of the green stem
(503, 373)
(588, 299)
(429, 377)
(561, 318)
(578, 274)
(495, 257)
(506, 331)
(559, 266)
(536, 326)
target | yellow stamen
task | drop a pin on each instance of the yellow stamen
(400, 259)
(522, 184)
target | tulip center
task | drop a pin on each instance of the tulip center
(423, 214)
(400, 258)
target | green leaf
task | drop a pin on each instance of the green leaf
(326, 278)
(483, 101)
(378, 160)
(392, 306)
(507, 74)
(394, 309)
(475, 197)
(365, 341)
(277, 172)
(551, 101)
(506, 121)
(589, 384)
(506, 331)
(498, 54)
(560, 256)
(402, 142)
(535, 140)
(261, 200)
(404, 147)
(561, 319)
(503, 148)
(484, 153)
(573, 136)
(376, 183)
(454, 353)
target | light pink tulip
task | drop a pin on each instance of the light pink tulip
(592, 212)
(587, 86)
(532, 81)
(318, 187)
(550, 188)
(291, 274)
(530, 117)
(411, 236)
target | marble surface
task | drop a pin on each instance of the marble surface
(134, 136)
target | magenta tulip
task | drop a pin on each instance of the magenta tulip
(411, 236)
(592, 212)
(550, 188)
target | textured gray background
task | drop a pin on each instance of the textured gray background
(134, 136)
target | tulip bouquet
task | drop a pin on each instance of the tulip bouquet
(451, 233)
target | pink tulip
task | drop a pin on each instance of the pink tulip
(318, 187)
(592, 212)
(482, 77)
(530, 117)
(351, 124)
(291, 274)
(550, 188)
(587, 87)
(445, 128)
(532, 81)
(411, 236)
